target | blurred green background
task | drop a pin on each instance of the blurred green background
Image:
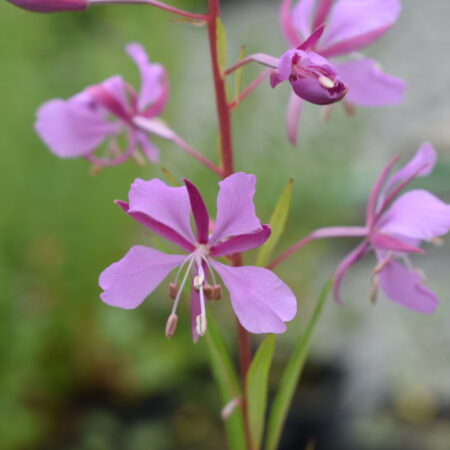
(78, 375)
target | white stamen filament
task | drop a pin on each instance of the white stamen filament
(211, 270)
(183, 282)
(326, 82)
(201, 318)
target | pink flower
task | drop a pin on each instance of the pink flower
(351, 26)
(46, 6)
(261, 301)
(78, 126)
(395, 227)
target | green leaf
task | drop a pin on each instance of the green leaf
(170, 176)
(277, 222)
(228, 383)
(292, 375)
(238, 75)
(221, 45)
(257, 380)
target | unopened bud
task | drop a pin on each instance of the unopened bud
(46, 6)
(198, 281)
(201, 324)
(173, 290)
(171, 325)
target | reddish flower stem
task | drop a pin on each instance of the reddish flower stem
(248, 90)
(156, 4)
(226, 149)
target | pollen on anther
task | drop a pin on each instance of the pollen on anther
(171, 325)
(198, 281)
(326, 82)
(173, 290)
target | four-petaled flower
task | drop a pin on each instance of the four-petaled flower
(261, 301)
(78, 126)
(395, 227)
(350, 26)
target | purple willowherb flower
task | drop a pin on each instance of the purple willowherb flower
(46, 6)
(261, 301)
(351, 26)
(395, 227)
(78, 126)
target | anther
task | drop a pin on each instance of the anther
(201, 324)
(198, 281)
(374, 289)
(173, 290)
(326, 82)
(171, 325)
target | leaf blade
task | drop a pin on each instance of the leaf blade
(257, 386)
(277, 223)
(292, 374)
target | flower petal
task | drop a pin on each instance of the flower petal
(126, 283)
(167, 205)
(261, 301)
(293, 116)
(157, 227)
(352, 258)
(73, 127)
(242, 242)
(354, 24)
(302, 16)
(199, 211)
(386, 242)
(421, 165)
(368, 85)
(235, 208)
(152, 76)
(406, 287)
(417, 214)
(288, 24)
(149, 149)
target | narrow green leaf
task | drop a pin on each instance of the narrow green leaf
(228, 383)
(257, 380)
(292, 375)
(221, 45)
(277, 222)
(170, 176)
(238, 75)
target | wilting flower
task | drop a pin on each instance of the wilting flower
(78, 126)
(261, 301)
(350, 26)
(46, 6)
(395, 227)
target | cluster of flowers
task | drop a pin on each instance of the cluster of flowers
(395, 224)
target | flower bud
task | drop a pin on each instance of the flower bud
(46, 6)
(313, 78)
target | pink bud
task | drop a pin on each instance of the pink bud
(45, 6)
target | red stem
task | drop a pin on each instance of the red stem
(226, 148)
(248, 90)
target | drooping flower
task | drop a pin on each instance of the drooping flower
(350, 26)
(395, 228)
(78, 126)
(46, 6)
(261, 301)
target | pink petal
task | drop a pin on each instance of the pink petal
(418, 215)
(46, 6)
(167, 205)
(152, 76)
(293, 115)
(73, 127)
(368, 85)
(127, 282)
(242, 242)
(302, 16)
(199, 211)
(149, 149)
(421, 165)
(288, 25)
(352, 258)
(406, 287)
(386, 242)
(261, 301)
(235, 208)
(157, 227)
(354, 24)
